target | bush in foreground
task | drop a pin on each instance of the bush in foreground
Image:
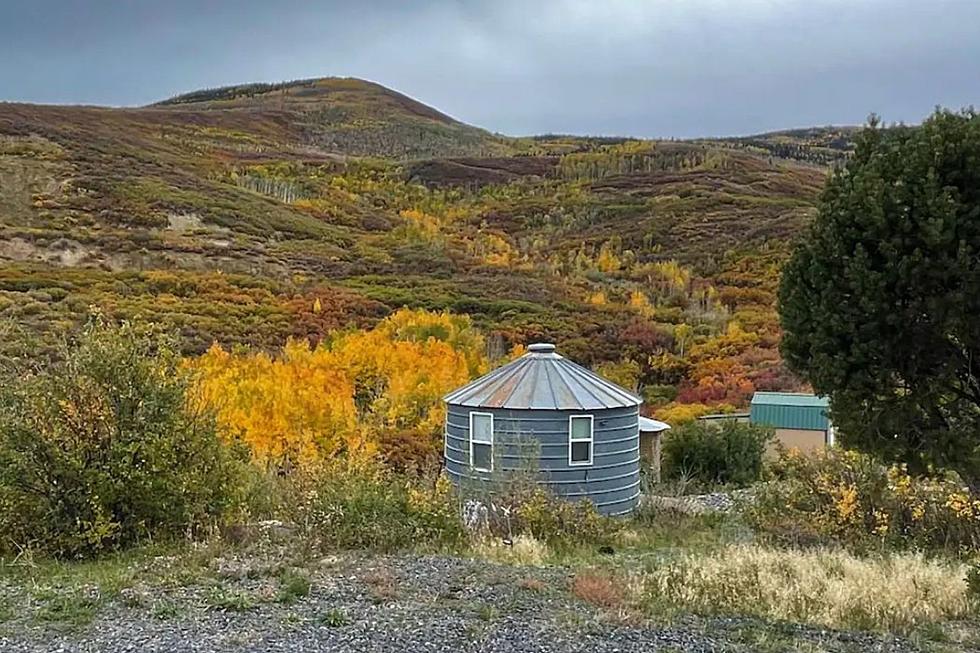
(843, 497)
(100, 449)
(730, 453)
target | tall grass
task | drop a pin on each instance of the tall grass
(828, 588)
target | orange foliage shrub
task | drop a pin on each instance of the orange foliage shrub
(408, 450)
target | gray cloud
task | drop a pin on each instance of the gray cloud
(637, 67)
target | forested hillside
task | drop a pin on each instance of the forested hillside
(251, 214)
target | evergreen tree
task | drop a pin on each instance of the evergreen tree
(880, 302)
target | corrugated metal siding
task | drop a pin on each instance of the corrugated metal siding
(790, 417)
(612, 482)
(789, 399)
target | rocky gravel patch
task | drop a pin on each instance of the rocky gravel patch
(396, 604)
(697, 504)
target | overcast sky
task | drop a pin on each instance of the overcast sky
(642, 67)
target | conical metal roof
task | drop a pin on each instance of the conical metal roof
(542, 380)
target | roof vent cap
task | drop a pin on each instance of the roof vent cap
(541, 348)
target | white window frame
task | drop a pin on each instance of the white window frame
(473, 464)
(590, 440)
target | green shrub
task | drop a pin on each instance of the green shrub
(843, 497)
(516, 505)
(370, 507)
(730, 453)
(557, 521)
(100, 449)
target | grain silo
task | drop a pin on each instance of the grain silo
(582, 430)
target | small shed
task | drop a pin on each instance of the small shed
(580, 430)
(799, 419)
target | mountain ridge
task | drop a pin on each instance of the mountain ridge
(309, 88)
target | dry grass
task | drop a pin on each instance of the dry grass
(525, 550)
(599, 589)
(829, 588)
(382, 584)
(532, 584)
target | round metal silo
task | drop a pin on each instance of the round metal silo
(578, 431)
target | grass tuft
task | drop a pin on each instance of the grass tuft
(333, 618)
(166, 610)
(486, 612)
(225, 600)
(293, 586)
(70, 610)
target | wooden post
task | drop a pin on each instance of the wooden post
(655, 457)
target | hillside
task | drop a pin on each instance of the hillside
(249, 214)
(817, 145)
(349, 116)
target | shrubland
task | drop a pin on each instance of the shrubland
(119, 442)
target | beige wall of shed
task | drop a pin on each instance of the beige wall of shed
(650, 452)
(806, 440)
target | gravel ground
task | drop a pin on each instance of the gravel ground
(399, 604)
(700, 503)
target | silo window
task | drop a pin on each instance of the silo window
(580, 440)
(481, 441)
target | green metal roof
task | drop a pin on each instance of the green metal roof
(790, 410)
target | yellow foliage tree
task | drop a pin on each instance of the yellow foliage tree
(608, 261)
(493, 250)
(419, 227)
(598, 298)
(625, 372)
(641, 303)
(295, 409)
(675, 414)
(456, 330)
(399, 384)
(311, 403)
